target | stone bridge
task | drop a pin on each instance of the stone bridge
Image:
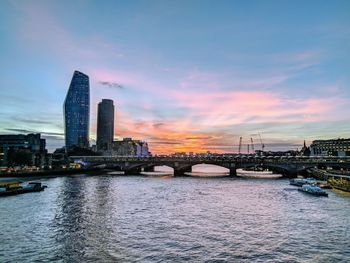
(288, 166)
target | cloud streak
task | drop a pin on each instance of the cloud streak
(111, 84)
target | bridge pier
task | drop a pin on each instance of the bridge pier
(148, 169)
(182, 171)
(290, 174)
(132, 171)
(233, 172)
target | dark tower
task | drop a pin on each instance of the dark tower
(76, 110)
(105, 124)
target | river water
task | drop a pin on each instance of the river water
(108, 218)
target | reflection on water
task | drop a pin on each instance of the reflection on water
(207, 170)
(199, 170)
(119, 218)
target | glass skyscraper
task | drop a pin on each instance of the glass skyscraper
(77, 111)
(105, 124)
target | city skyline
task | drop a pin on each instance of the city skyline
(185, 76)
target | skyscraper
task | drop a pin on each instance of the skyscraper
(105, 124)
(77, 111)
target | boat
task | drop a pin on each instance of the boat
(340, 182)
(302, 181)
(265, 174)
(324, 185)
(313, 189)
(14, 188)
(259, 172)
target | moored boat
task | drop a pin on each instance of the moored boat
(340, 182)
(264, 174)
(14, 188)
(313, 189)
(323, 185)
(302, 181)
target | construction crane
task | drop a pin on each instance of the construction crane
(240, 145)
(262, 145)
(251, 141)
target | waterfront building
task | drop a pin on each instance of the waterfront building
(141, 148)
(333, 147)
(21, 149)
(128, 147)
(77, 111)
(105, 125)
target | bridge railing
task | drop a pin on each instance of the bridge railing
(213, 159)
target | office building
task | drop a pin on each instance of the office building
(105, 125)
(77, 111)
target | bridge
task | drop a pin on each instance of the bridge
(288, 166)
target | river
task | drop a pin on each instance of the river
(109, 218)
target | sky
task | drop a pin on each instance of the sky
(185, 75)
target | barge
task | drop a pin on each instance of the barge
(14, 188)
(340, 182)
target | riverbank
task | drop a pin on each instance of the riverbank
(56, 172)
(336, 179)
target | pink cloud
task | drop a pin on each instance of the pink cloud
(234, 107)
(213, 110)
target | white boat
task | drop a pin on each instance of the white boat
(302, 181)
(257, 174)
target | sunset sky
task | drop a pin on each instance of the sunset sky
(184, 75)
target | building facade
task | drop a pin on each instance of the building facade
(77, 111)
(335, 147)
(21, 149)
(105, 125)
(127, 147)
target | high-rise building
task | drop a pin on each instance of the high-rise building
(77, 111)
(105, 125)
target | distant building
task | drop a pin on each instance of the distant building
(142, 149)
(59, 158)
(305, 151)
(129, 147)
(334, 147)
(105, 125)
(21, 149)
(77, 111)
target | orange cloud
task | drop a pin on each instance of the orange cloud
(191, 119)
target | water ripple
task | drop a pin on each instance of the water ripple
(138, 219)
